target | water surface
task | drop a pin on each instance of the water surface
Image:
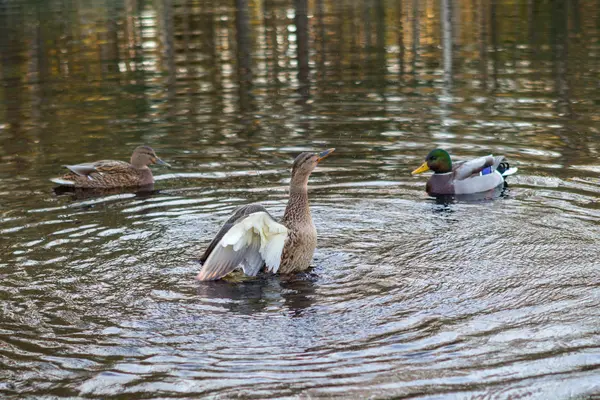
(407, 297)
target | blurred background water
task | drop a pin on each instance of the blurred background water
(407, 298)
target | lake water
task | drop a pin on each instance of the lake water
(408, 297)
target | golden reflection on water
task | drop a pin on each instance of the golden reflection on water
(71, 67)
(407, 297)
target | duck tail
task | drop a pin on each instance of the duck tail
(505, 169)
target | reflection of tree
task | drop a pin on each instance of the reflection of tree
(447, 39)
(354, 45)
(271, 41)
(243, 54)
(210, 47)
(494, 38)
(483, 42)
(12, 69)
(39, 73)
(380, 48)
(559, 35)
(190, 66)
(168, 33)
(337, 46)
(108, 40)
(321, 40)
(415, 35)
(132, 60)
(400, 29)
(301, 21)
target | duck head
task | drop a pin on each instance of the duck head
(438, 161)
(305, 164)
(144, 155)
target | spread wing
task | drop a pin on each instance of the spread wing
(100, 167)
(239, 213)
(250, 238)
(468, 168)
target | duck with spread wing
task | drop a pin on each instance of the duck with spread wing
(252, 239)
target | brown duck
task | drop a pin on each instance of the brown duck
(252, 239)
(105, 174)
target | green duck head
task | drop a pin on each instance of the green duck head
(437, 160)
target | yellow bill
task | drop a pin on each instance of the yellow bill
(423, 168)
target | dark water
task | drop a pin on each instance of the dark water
(407, 298)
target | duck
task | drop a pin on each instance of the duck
(108, 174)
(252, 239)
(467, 177)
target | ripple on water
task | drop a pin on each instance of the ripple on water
(408, 297)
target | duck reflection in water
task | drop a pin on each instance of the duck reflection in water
(242, 295)
(448, 199)
(142, 192)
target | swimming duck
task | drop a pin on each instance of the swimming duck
(252, 238)
(466, 177)
(105, 174)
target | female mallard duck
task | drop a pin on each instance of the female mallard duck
(467, 177)
(106, 174)
(253, 239)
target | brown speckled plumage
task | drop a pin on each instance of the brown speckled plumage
(220, 258)
(106, 174)
(302, 234)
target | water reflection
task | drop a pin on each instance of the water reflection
(292, 293)
(82, 194)
(496, 193)
(409, 296)
(200, 53)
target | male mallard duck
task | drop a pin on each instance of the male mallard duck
(252, 238)
(466, 177)
(105, 174)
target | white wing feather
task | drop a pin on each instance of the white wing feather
(63, 182)
(257, 235)
(272, 251)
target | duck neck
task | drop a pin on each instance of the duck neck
(298, 207)
(137, 164)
